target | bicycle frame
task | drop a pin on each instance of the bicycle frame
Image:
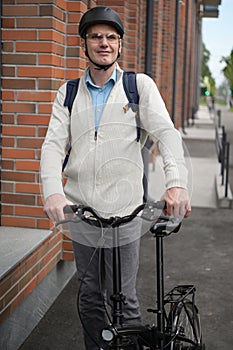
(118, 298)
(167, 331)
(163, 334)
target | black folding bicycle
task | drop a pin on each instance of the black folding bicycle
(177, 321)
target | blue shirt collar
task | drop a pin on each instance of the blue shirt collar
(113, 78)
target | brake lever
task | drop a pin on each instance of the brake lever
(150, 211)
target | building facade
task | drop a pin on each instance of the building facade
(40, 50)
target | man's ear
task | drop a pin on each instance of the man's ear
(120, 45)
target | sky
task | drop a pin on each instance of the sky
(217, 35)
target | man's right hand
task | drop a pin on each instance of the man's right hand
(54, 205)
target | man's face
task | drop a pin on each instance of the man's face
(102, 43)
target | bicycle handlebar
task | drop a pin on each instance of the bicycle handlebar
(79, 210)
(164, 224)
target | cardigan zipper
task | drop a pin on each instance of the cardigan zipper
(95, 135)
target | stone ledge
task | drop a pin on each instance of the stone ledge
(16, 244)
(199, 134)
(223, 202)
(15, 330)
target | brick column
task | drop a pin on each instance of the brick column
(34, 66)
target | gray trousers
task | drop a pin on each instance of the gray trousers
(94, 268)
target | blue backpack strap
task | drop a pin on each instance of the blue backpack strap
(71, 92)
(130, 87)
(68, 150)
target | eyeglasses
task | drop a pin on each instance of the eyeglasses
(97, 37)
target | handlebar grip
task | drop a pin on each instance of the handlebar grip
(68, 209)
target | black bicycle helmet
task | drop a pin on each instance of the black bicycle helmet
(100, 15)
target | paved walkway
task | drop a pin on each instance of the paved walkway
(201, 160)
(201, 254)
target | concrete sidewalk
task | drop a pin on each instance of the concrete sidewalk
(201, 161)
(200, 254)
(201, 142)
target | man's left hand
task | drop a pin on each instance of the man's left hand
(177, 202)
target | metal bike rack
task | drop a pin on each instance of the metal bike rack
(223, 152)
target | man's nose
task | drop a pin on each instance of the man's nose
(104, 41)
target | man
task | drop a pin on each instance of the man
(105, 167)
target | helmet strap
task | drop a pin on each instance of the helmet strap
(101, 66)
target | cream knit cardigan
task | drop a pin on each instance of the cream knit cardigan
(106, 171)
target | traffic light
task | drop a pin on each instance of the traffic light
(204, 91)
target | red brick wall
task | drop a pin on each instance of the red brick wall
(133, 15)
(33, 57)
(75, 58)
(41, 49)
(163, 54)
(190, 68)
(157, 43)
(167, 51)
